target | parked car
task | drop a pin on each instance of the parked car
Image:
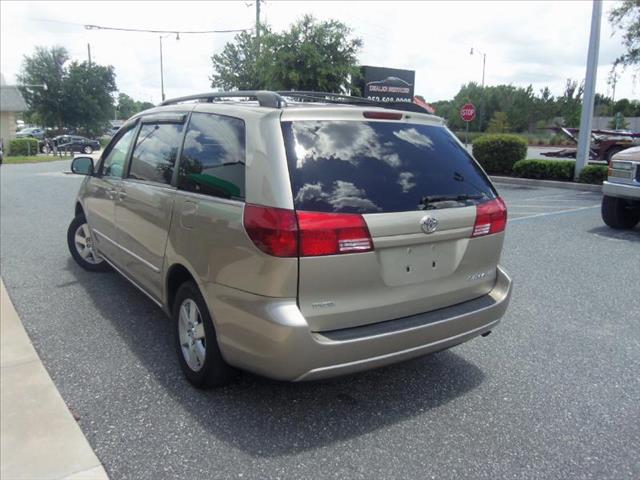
(621, 190)
(296, 239)
(604, 143)
(31, 132)
(71, 143)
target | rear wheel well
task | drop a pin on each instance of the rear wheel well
(177, 275)
(79, 209)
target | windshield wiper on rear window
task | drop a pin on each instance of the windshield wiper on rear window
(427, 203)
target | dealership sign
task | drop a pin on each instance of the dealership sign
(387, 84)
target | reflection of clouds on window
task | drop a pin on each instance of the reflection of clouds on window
(414, 137)
(217, 139)
(344, 195)
(310, 192)
(347, 195)
(405, 180)
(346, 141)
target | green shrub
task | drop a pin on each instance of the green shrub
(23, 147)
(593, 174)
(498, 153)
(545, 169)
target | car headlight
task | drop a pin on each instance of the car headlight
(621, 165)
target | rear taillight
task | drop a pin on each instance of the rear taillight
(491, 217)
(285, 233)
(272, 230)
(332, 234)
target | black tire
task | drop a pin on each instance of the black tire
(617, 214)
(74, 226)
(88, 150)
(214, 371)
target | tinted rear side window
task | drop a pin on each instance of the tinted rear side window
(213, 156)
(155, 152)
(375, 167)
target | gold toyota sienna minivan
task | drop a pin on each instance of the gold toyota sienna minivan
(296, 235)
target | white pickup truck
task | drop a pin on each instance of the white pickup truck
(621, 190)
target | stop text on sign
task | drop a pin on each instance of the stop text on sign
(468, 112)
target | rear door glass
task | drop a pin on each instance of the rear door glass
(213, 157)
(376, 167)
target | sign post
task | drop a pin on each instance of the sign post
(467, 113)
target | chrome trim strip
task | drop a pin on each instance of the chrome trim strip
(131, 281)
(137, 257)
(209, 198)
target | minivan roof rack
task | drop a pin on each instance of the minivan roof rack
(267, 98)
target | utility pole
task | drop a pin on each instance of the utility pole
(586, 119)
(258, 25)
(89, 53)
(161, 71)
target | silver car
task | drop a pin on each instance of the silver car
(296, 235)
(621, 190)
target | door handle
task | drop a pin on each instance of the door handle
(121, 195)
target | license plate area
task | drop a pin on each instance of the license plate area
(419, 263)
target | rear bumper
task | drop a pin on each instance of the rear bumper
(271, 337)
(621, 190)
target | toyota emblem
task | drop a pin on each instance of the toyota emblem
(429, 224)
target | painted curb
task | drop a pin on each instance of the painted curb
(547, 183)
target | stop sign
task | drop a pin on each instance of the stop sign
(468, 112)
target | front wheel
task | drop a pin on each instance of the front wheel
(88, 150)
(617, 213)
(196, 340)
(81, 246)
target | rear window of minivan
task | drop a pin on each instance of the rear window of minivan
(375, 167)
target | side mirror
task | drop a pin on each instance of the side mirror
(82, 165)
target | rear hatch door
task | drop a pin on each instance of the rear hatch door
(418, 191)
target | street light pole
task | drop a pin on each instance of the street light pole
(161, 64)
(161, 71)
(586, 118)
(484, 61)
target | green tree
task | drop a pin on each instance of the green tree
(75, 94)
(311, 55)
(626, 16)
(86, 96)
(235, 68)
(499, 123)
(45, 67)
(127, 107)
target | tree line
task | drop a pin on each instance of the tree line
(506, 108)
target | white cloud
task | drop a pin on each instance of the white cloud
(542, 43)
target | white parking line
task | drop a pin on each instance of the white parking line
(548, 214)
(567, 194)
(540, 207)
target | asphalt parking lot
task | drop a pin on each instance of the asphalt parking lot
(554, 392)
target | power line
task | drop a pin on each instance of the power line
(140, 30)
